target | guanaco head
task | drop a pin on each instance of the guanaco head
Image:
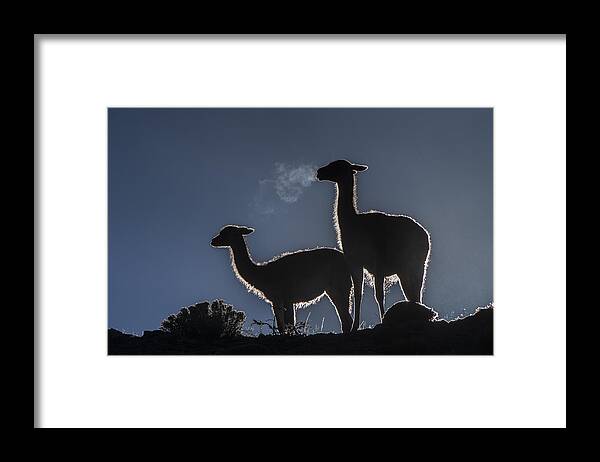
(229, 235)
(338, 171)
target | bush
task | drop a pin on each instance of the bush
(205, 321)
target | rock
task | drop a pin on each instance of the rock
(116, 335)
(156, 334)
(405, 312)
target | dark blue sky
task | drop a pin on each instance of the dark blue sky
(177, 175)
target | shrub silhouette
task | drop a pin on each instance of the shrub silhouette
(205, 321)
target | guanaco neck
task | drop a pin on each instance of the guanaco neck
(346, 200)
(242, 260)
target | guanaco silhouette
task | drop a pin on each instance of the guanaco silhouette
(387, 246)
(291, 280)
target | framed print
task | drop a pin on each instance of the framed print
(369, 230)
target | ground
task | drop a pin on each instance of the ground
(407, 329)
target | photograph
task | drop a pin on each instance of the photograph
(300, 231)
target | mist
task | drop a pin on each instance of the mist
(285, 186)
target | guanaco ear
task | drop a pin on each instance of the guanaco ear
(245, 230)
(359, 168)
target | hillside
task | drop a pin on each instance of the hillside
(406, 330)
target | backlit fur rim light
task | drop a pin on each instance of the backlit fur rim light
(335, 280)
